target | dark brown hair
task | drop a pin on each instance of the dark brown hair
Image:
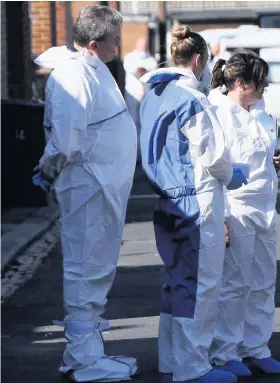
(243, 65)
(186, 43)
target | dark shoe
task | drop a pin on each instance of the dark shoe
(266, 365)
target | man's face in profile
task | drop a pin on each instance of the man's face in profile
(106, 49)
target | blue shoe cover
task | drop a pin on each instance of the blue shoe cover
(267, 365)
(235, 367)
(215, 376)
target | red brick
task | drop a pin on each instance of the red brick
(130, 33)
(60, 23)
(78, 5)
(41, 33)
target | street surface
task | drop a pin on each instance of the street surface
(32, 346)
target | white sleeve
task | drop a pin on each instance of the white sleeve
(70, 103)
(128, 63)
(207, 145)
(227, 205)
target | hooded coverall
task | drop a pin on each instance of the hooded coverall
(184, 156)
(90, 155)
(246, 309)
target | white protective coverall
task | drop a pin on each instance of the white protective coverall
(185, 158)
(246, 309)
(91, 155)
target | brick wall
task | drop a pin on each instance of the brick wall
(130, 33)
(41, 26)
(78, 5)
(60, 22)
(4, 74)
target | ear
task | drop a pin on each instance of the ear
(92, 45)
(240, 84)
(198, 60)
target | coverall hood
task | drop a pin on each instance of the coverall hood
(54, 56)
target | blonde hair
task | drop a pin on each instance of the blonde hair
(185, 44)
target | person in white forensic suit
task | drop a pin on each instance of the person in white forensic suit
(136, 64)
(90, 159)
(246, 308)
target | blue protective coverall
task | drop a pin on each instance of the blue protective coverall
(184, 157)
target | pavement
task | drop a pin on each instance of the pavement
(21, 226)
(32, 346)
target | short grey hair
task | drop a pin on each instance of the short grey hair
(95, 22)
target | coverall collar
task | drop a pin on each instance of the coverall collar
(222, 99)
(168, 74)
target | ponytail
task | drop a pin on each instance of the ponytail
(243, 65)
(218, 77)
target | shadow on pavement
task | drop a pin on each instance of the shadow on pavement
(31, 360)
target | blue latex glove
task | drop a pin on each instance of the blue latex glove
(38, 180)
(238, 179)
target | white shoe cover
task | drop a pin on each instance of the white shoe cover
(107, 369)
(84, 357)
(103, 324)
(100, 323)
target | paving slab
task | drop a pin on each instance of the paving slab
(22, 226)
